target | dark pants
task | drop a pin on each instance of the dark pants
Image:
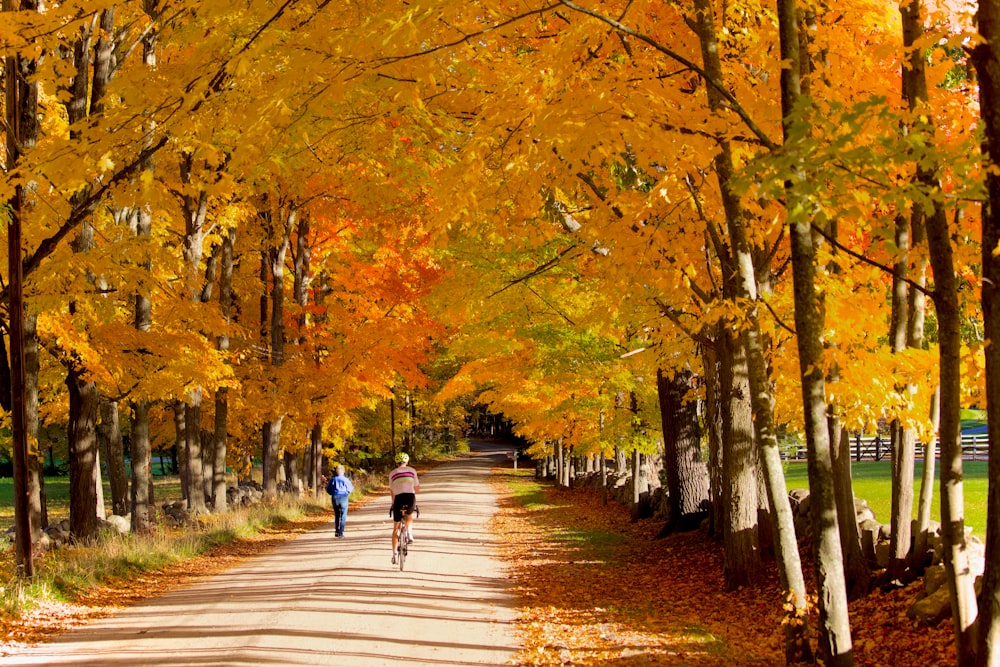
(340, 513)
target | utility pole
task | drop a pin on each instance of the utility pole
(22, 131)
(392, 425)
(19, 434)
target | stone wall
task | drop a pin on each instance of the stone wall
(932, 604)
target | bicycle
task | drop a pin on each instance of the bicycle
(404, 540)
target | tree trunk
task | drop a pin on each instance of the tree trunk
(637, 485)
(907, 327)
(273, 273)
(316, 456)
(78, 107)
(857, 573)
(922, 552)
(292, 473)
(782, 524)
(194, 205)
(264, 298)
(222, 393)
(686, 473)
(86, 491)
(104, 64)
(904, 447)
(22, 128)
(903, 443)
(265, 454)
(180, 446)
(142, 477)
(766, 533)
(114, 456)
(986, 58)
(713, 423)
(956, 555)
(277, 263)
(36, 516)
(915, 92)
(102, 512)
(746, 406)
(740, 538)
(636, 474)
(300, 282)
(272, 438)
(300, 290)
(835, 629)
(307, 464)
(208, 462)
(18, 399)
(219, 449)
(565, 465)
(196, 478)
(143, 511)
(559, 462)
(276, 259)
(903, 439)
(82, 243)
(82, 436)
(604, 478)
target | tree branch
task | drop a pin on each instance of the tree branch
(734, 105)
(388, 60)
(536, 271)
(867, 260)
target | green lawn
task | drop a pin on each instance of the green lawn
(166, 488)
(871, 482)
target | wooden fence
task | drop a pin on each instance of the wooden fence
(878, 448)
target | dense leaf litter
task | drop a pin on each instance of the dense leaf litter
(595, 588)
(591, 588)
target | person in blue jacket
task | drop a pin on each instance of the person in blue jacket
(340, 488)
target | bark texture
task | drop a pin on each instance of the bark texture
(687, 475)
(986, 58)
(142, 475)
(114, 457)
(139, 443)
(857, 572)
(22, 129)
(82, 436)
(835, 646)
(221, 426)
(741, 547)
(180, 446)
(713, 422)
(37, 519)
(272, 436)
(193, 447)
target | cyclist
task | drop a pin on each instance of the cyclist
(403, 487)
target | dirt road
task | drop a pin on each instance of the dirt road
(319, 600)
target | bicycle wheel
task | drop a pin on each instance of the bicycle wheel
(401, 554)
